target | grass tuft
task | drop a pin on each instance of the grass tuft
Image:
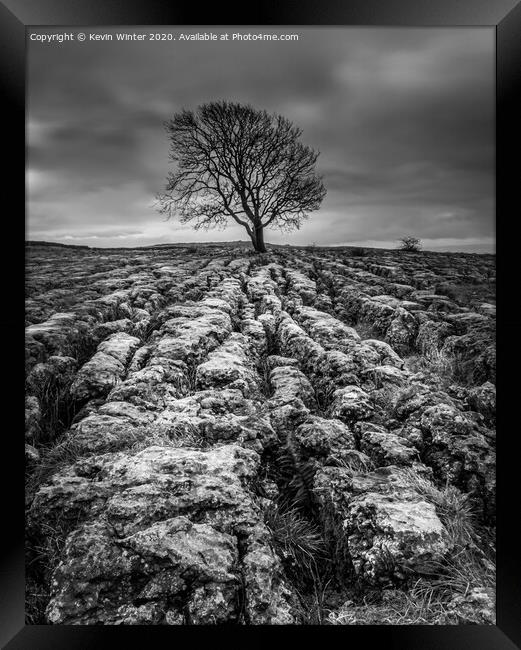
(295, 538)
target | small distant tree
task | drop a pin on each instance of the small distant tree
(236, 162)
(411, 244)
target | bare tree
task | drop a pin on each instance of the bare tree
(236, 162)
(411, 244)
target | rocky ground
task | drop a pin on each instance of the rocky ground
(215, 436)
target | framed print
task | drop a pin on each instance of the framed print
(261, 344)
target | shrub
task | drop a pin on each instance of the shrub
(302, 548)
(263, 370)
(324, 390)
(43, 553)
(58, 406)
(456, 589)
(416, 607)
(82, 345)
(54, 458)
(410, 244)
(355, 461)
(467, 566)
(295, 538)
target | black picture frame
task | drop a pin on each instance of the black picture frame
(505, 17)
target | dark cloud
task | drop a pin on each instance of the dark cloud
(404, 120)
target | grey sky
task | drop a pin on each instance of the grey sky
(403, 118)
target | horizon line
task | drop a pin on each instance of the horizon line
(246, 242)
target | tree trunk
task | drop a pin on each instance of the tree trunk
(257, 239)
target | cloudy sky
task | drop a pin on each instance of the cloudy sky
(403, 118)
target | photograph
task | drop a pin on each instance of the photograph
(258, 254)
(260, 326)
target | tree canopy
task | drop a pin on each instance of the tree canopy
(236, 162)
